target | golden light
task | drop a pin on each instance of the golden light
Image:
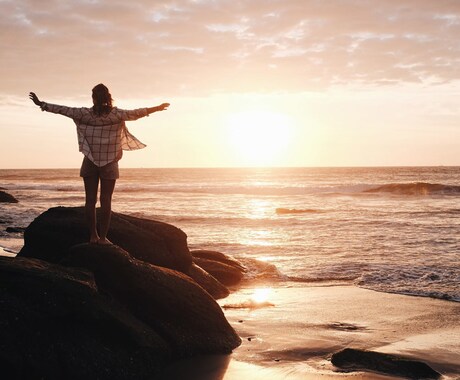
(260, 137)
(261, 295)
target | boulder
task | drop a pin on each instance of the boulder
(353, 359)
(227, 274)
(7, 198)
(217, 256)
(178, 309)
(54, 324)
(52, 233)
(215, 288)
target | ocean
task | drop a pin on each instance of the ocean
(388, 229)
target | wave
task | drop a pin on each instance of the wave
(416, 188)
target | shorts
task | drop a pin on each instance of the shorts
(90, 169)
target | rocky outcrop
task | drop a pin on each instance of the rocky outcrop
(91, 309)
(52, 233)
(179, 310)
(54, 324)
(208, 282)
(225, 269)
(7, 198)
(357, 360)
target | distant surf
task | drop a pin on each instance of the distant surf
(416, 188)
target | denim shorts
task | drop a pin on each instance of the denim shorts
(90, 169)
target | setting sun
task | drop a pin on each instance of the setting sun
(259, 137)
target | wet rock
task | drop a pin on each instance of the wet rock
(54, 324)
(171, 303)
(358, 360)
(53, 232)
(15, 229)
(7, 198)
(226, 274)
(224, 268)
(215, 288)
(217, 256)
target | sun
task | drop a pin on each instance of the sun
(259, 137)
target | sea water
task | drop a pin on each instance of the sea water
(387, 229)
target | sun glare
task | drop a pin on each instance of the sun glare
(261, 295)
(259, 137)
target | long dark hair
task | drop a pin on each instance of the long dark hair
(102, 100)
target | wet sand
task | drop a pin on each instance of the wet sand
(295, 338)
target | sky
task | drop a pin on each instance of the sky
(251, 83)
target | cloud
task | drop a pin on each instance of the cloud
(205, 46)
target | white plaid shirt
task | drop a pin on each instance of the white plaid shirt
(101, 138)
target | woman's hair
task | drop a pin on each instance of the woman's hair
(102, 100)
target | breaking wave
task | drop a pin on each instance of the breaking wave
(416, 188)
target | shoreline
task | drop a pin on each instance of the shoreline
(309, 323)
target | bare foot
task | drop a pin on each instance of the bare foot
(94, 240)
(104, 241)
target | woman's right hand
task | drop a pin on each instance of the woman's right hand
(35, 99)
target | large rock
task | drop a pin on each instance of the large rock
(226, 274)
(353, 359)
(225, 269)
(54, 324)
(7, 198)
(209, 283)
(219, 257)
(179, 310)
(52, 233)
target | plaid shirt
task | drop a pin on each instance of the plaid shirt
(101, 138)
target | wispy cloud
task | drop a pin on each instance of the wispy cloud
(205, 46)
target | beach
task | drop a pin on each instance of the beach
(363, 258)
(295, 338)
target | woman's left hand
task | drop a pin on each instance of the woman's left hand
(163, 106)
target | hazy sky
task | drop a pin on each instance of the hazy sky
(260, 82)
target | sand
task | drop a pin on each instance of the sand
(295, 338)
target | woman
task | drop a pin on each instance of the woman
(102, 137)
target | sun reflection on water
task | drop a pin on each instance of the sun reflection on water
(261, 295)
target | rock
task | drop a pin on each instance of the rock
(217, 256)
(15, 229)
(7, 198)
(54, 324)
(225, 273)
(52, 233)
(352, 359)
(178, 309)
(216, 289)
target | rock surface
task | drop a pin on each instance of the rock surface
(352, 359)
(54, 324)
(209, 283)
(7, 198)
(170, 302)
(52, 233)
(225, 269)
(15, 229)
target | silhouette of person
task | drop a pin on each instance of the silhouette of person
(102, 137)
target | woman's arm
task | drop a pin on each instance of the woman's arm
(129, 115)
(72, 112)
(161, 107)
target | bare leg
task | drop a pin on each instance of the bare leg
(107, 187)
(91, 185)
